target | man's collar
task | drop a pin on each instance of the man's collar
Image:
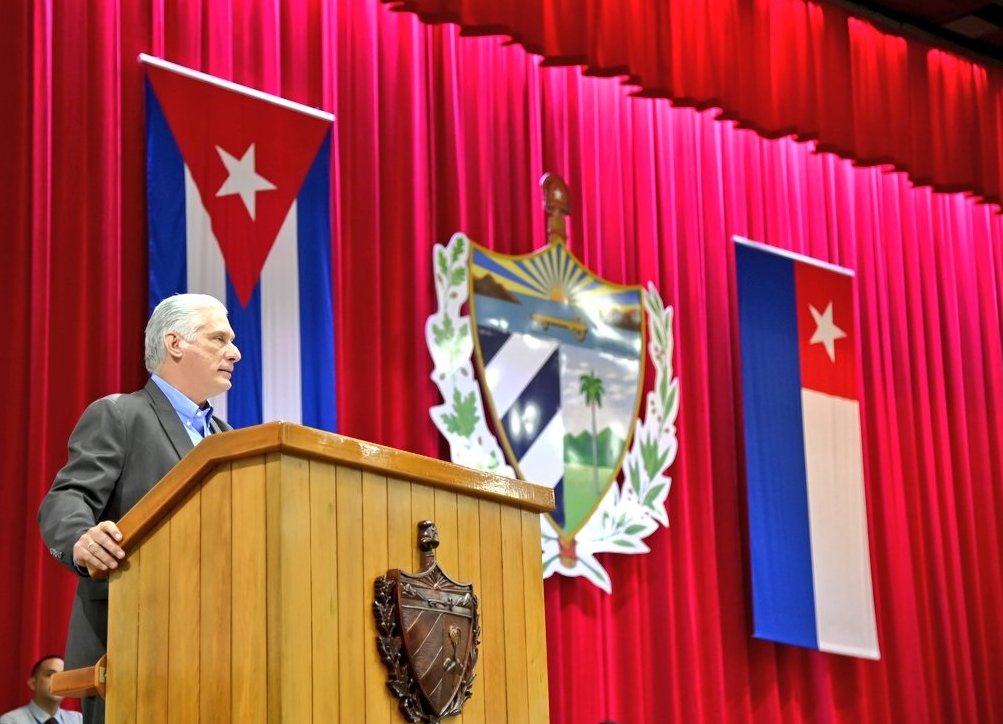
(39, 713)
(179, 401)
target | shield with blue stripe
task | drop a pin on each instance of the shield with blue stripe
(559, 353)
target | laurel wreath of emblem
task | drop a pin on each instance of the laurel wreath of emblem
(633, 507)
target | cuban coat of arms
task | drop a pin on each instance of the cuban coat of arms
(560, 355)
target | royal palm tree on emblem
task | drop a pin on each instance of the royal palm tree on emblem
(592, 388)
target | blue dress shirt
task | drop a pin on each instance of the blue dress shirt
(195, 419)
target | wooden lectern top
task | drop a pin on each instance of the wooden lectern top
(286, 437)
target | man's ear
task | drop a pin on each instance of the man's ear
(31, 683)
(172, 343)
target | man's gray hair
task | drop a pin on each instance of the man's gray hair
(180, 313)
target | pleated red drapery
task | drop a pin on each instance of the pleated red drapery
(438, 133)
(780, 67)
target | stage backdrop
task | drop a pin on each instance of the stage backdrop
(438, 133)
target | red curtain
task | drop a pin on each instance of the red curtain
(778, 66)
(438, 133)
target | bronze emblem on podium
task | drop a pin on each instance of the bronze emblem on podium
(427, 635)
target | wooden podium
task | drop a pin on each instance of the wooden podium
(247, 589)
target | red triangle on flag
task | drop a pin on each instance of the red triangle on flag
(248, 155)
(826, 334)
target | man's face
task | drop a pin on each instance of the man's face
(207, 361)
(41, 682)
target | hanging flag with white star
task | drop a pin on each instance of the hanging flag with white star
(808, 539)
(238, 189)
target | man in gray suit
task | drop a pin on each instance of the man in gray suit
(122, 445)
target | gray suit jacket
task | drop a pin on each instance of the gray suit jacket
(121, 446)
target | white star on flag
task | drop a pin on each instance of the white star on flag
(826, 332)
(243, 179)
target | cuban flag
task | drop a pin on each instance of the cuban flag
(811, 573)
(238, 190)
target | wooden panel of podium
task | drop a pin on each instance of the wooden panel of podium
(247, 591)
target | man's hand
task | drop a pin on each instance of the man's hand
(97, 549)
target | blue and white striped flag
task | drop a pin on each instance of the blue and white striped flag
(811, 566)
